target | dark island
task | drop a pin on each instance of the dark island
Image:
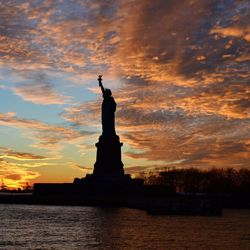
(108, 185)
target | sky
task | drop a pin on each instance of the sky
(178, 70)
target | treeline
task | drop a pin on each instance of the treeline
(193, 180)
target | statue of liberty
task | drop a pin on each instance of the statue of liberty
(108, 111)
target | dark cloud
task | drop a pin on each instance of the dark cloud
(11, 154)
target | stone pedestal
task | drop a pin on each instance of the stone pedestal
(108, 158)
(108, 177)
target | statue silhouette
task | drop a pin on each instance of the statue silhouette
(108, 157)
(108, 111)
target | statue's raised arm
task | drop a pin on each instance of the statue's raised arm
(100, 83)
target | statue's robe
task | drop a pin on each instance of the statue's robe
(108, 116)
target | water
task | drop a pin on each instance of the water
(59, 227)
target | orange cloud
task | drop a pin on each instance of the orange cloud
(16, 176)
(7, 153)
(240, 32)
(185, 79)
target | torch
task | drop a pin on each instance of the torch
(100, 80)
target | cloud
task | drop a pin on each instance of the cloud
(34, 35)
(17, 168)
(45, 135)
(241, 32)
(39, 91)
(7, 153)
(84, 170)
(195, 141)
(182, 66)
(16, 176)
(87, 114)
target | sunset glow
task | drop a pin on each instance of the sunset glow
(178, 70)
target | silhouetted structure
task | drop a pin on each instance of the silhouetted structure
(108, 177)
(108, 159)
(108, 171)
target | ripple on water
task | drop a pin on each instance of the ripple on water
(60, 227)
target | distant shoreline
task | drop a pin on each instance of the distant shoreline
(189, 202)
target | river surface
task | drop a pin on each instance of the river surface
(61, 227)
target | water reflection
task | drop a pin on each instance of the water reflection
(51, 227)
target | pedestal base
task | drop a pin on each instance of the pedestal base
(108, 159)
(108, 177)
(110, 184)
